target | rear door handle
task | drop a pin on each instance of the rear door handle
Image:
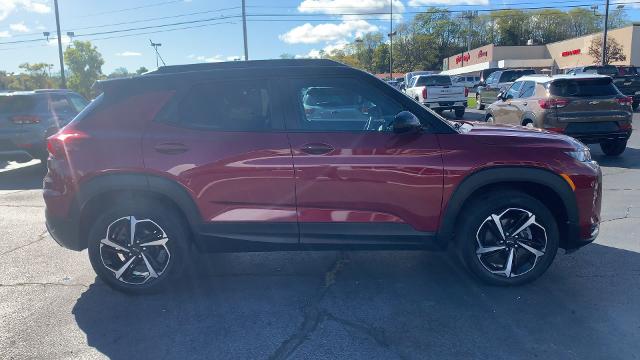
(171, 148)
(316, 149)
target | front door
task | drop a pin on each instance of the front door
(224, 141)
(356, 181)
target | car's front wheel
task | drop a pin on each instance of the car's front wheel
(138, 247)
(614, 147)
(507, 238)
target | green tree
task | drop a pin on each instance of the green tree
(119, 73)
(141, 70)
(380, 63)
(84, 64)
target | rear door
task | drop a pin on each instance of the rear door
(357, 181)
(589, 101)
(224, 142)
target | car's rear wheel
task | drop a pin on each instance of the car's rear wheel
(138, 247)
(613, 148)
(479, 104)
(459, 113)
(507, 238)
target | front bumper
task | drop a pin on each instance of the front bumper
(65, 231)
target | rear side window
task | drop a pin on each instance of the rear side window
(12, 104)
(511, 76)
(231, 106)
(78, 102)
(602, 70)
(627, 70)
(583, 88)
(434, 81)
(60, 105)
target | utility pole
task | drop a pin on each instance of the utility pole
(391, 35)
(469, 15)
(244, 31)
(63, 80)
(604, 36)
(155, 47)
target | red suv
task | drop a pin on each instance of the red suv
(305, 155)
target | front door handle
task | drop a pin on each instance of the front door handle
(316, 149)
(524, 104)
(171, 148)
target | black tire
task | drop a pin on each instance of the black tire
(475, 221)
(459, 113)
(177, 245)
(490, 120)
(613, 148)
(479, 104)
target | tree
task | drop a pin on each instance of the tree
(381, 59)
(84, 64)
(119, 73)
(614, 51)
(287, 56)
(141, 70)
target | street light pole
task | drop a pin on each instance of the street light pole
(63, 80)
(244, 31)
(604, 36)
(390, 39)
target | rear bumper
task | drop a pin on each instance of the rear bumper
(65, 231)
(600, 137)
(446, 105)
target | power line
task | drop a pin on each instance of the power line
(134, 8)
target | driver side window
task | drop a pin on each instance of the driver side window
(514, 90)
(342, 105)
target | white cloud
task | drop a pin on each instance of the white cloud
(447, 2)
(129, 53)
(19, 27)
(310, 34)
(36, 6)
(53, 41)
(214, 58)
(327, 50)
(4, 34)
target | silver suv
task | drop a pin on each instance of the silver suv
(27, 118)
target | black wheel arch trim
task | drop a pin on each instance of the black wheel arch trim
(139, 182)
(484, 177)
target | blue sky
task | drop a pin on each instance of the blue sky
(304, 26)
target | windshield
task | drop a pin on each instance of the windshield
(583, 87)
(22, 103)
(433, 81)
(511, 76)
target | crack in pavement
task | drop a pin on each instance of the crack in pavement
(41, 237)
(626, 216)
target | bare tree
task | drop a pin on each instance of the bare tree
(614, 51)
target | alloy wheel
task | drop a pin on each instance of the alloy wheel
(511, 243)
(135, 250)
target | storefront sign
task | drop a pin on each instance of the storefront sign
(464, 57)
(571, 52)
(482, 53)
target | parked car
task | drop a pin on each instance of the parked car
(393, 83)
(484, 74)
(27, 118)
(470, 82)
(438, 93)
(624, 77)
(224, 157)
(408, 76)
(498, 80)
(587, 107)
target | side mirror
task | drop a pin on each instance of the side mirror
(405, 122)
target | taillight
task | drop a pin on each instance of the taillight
(558, 130)
(466, 92)
(424, 93)
(625, 101)
(553, 103)
(59, 144)
(25, 119)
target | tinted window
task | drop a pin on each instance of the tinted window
(528, 88)
(602, 70)
(60, 105)
(514, 90)
(583, 88)
(343, 105)
(492, 78)
(627, 70)
(237, 105)
(510, 76)
(78, 102)
(434, 81)
(22, 103)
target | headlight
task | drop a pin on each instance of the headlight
(582, 155)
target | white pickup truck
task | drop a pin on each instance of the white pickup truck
(438, 93)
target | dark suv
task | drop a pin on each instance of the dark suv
(27, 118)
(625, 78)
(229, 157)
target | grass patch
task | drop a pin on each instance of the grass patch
(471, 101)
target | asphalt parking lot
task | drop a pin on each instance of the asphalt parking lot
(323, 305)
